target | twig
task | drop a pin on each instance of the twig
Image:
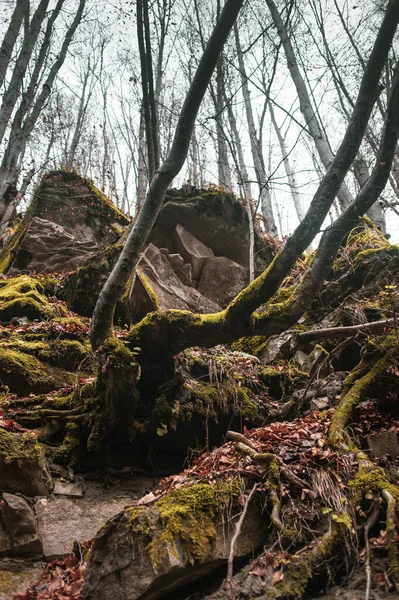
(237, 532)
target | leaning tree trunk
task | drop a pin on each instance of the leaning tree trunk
(312, 124)
(104, 311)
(21, 9)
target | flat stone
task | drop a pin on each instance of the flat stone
(191, 249)
(319, 404)
(384, 443)
(72, 490)
(222, 279)
(62, 521)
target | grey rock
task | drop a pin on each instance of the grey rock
(222, 279)
(62, 521)
(156, 270)
(20, 525)
(384, 443)
(17, 515)
(191, 249)
(319, 404)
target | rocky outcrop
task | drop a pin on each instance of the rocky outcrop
(68, 220)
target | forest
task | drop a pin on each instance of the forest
(198, 299)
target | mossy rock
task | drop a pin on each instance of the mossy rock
(23, 468)
(25, 296)
(184, 536)
(67, 200)
(66, 354)
(22, 374)
(83, 287)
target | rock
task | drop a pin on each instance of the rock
(135, 556)
(17, 515)
(222, 279)
(72, 490)
(156, 285)
(215, 218)
(319, 404)
(62, 521)
(69, 219)
(20, 524)
(23, 467)
(191, 249)
(185, 274)
(279, 346)
(176, 260)
(383, 444)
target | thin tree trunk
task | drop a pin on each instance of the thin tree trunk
(287, 166)
(142, 169)
(257, 155)
(362, 175)
(12, 92)
(245, 184)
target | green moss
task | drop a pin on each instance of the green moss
(66, 452)
(371, 480)
(19, 447)
(344, 413)
(17, 368)
(6, 580)
(24, 297)
(189, 518)
(253, 344)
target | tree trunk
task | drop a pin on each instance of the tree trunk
(313, 126)
(7, 47)
(288, 168)
(257, 155)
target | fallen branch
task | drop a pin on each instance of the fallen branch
(371, 521)
(336, 332)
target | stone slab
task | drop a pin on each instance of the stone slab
(62, 521)
(65, 488)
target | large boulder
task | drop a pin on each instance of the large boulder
(68, 220)
(222, 279)
(218, 219)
